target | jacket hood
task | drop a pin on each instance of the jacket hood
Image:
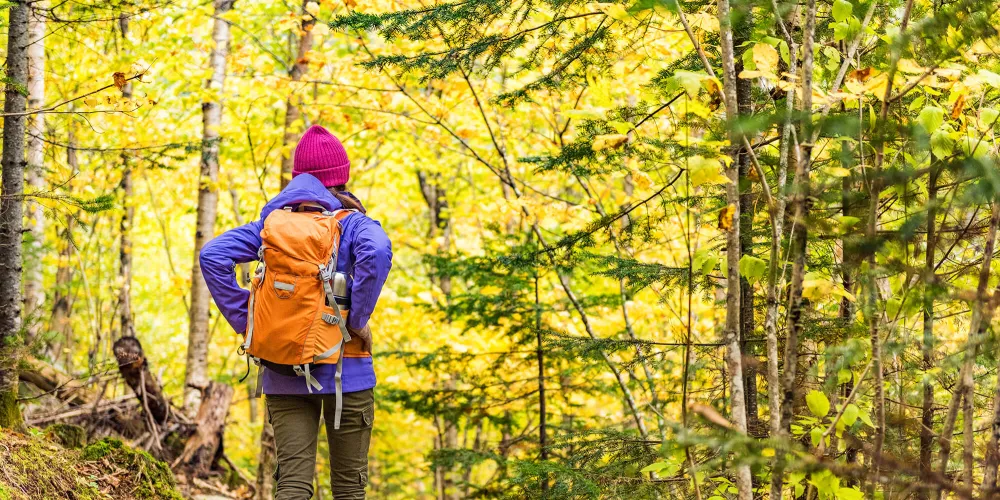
(303, 188)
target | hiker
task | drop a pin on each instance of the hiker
(305, 324)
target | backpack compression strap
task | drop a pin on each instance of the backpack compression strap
(326, 275)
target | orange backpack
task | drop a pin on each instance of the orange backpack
(294, 322)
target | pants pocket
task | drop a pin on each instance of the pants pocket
(368, 416)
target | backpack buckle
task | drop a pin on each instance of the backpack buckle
(331, 319)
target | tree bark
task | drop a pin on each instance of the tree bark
(34, 291)
(292, 112)
(267, 462)
(126, 325)
(134, 369)
(741, 34)
(927, 347)
(731, 336)
(196, 377)
(43, 376)
(989, 486)
(799, 236)
(981, 316)
(203, 448)
(11, 211)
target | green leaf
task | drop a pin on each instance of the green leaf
(832, 57)
(783, 50)
(850, 415)
(841, 10)
(709, 265)
(941, 142)
(655, 467)
(916, 104)
(816, 435)
(931, 118)
(866, 419)
(973, 146)
(752, 268)
(988, 116)
(818, 403)
(849, 494)
(843, 375)
(690, 81)
(992, 79)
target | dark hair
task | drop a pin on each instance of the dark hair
(348, 201)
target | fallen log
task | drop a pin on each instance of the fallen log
(49, 380)
(133, 367)
(204, 447)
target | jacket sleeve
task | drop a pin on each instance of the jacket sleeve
(372, 261)
(218, 259)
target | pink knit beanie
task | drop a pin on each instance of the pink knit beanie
(320, 154)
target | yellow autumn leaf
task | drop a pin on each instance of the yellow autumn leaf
(312, 8)
(703, 170)
(766, 58)
(608, 141)
(910, 66)
(614, 11)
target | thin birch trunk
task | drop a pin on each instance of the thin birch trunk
(734, 361)
(927, 347)
(980, 318)
(968, 436)
(989, 486)
(196, 377)
(801, 205)
(775, 272)
(292, 112)
(874, 317)
(11, 211)
(125, 317)
(34, 291)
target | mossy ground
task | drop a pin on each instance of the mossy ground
(32, 467)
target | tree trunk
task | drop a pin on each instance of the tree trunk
(292, 112)
(968, 437)
(775, 272)
(196, 377)
(34, 291)
(266, 464)
(989, 486)
(203, 449)
(981, 316)
(62, 302)
(799, 236)
(42, 375)
(741, 34)
(734, 361)
(927, 347)
(134, 369)
(11, 211)
(126, 325)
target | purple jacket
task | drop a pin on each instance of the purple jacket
(365, 255)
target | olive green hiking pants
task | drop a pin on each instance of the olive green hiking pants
(296, 427)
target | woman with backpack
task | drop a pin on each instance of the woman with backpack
(310, 311)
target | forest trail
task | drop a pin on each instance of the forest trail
(639, 249)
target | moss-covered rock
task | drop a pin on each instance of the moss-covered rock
(67, 435)
(34, 468)
(152, 478)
